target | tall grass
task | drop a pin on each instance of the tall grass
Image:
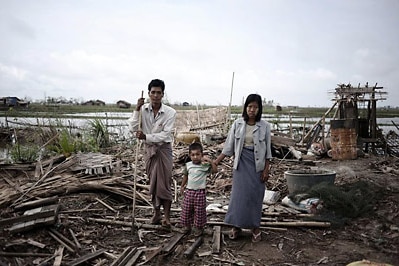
(100, 133)
(24, 153)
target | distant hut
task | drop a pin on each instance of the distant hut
(123, 104)
(99, 102)
(94, 102)
(279, 108)
(186, 104)
(13, 102)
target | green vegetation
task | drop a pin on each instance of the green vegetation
(90, 140)
(99, 132)
(24, 153)
(40, 110)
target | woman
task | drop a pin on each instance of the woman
(249, 141)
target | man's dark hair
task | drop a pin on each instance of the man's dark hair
(195, 146)
(156, 83)
(253, 98)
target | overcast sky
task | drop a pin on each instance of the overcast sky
(290, 51)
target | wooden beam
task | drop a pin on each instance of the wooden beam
(56, 238)
(172, 243)
(35, 203)
(217, 233)
(36, 215)
(189, 253)
(86, 257)
(127, 257)
(21, 254)
(125, 252)
(133, 260)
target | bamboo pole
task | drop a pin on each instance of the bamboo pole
(135, 171)
(229, 109)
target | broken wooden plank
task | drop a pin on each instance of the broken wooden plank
(63, 238)
(153, 254)
(189, 253)
(127, 256)
(298, 223)
(86, 257)
(125, 252)
(56, 238)
(106, 205)
(29, 215)
(46, 261)
(58, 256)
(26, 226)
(134, 259)
(51, 211)
(172, 243)
(21, 254)
(216, 239)
(35, 203)
(35, 243)
(282, 141)
(77, 244)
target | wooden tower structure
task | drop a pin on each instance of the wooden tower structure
(360, 104)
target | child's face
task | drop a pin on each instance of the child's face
(196, 156)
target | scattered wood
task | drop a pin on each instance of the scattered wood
(58, 256)
(172, 243)
(126, 257)
(77, 244)
(41, 216)
(62, 242)
(86, 258)
(63, 239)
(152, 255)
(189, 253)
(35, 203)
(216, 241)
(126, 253)
(61, 178)
(22, 254)
(134, 259)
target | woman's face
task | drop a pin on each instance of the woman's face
(252, 110)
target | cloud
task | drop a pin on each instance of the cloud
(12, 72)
(292, 53)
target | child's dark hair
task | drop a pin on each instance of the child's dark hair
(156, 83)
(195, 146)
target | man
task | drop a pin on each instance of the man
(157, 126)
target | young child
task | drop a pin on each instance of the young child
(194, 188)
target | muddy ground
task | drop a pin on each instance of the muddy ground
(374, 235)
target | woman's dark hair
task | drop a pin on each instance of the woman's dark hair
(156, 83)
(253, 98)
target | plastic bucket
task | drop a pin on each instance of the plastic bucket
(303, 180)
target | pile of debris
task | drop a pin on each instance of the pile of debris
(60, 209)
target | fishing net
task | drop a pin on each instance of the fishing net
(344, 202)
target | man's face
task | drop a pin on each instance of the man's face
(155, 94)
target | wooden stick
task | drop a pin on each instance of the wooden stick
(229, 109)
(305, 138)
(77, 244)
(58, 256)
(106, 205)
(135, 171)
